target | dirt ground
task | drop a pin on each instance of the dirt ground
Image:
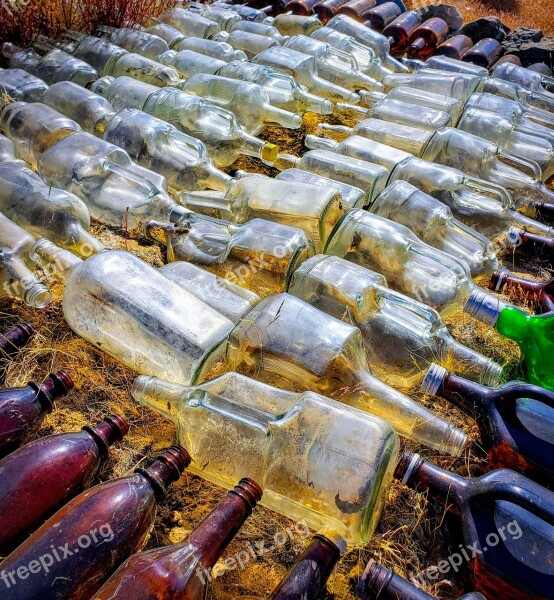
(411, 535)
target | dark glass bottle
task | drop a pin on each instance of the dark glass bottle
(22, 409)
(544, 211)
(328, 9)
(541, 68)
(399, 31)
(380, 583)
(539, 294)
(531, 243)
(516, 420)
(302, 7)
(306, 579)
(425, 39)
(455, 47)
(508, 58)
(507, 525)
(183, 570)
(87, 539)
(43, 475)
(11, 342)
(379, 17)
(357, 9)
(485, 53)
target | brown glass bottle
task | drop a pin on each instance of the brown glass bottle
(515, 420)
(531, 243)
(43, 475)
(506, 524)
(22, 409)
(302, 7)
(539, 294)
(11, 342)
(455, 47)
(87, 539)
(380, 583)
(544, 211)
(425, 39)
(183, 570)
(508, 58)
(357, 9)
(328, 9)
(379, 17)
(541, 68)
(485, 53)
(399, 31)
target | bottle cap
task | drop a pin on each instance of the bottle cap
(513, 238)
(270, 152)
(484, 307)
(433, 379)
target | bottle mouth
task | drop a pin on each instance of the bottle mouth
(498, 281)
(513, 237)
(38, 296)
(249, 491)
(433, 380)
(374, 580)
(120, 424)
(484, 307)
(453, 442)
(406, 466)
(64, 380)
(491, 374)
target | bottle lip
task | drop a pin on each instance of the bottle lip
(38, 295)
(513, 237)
(270, 152)
(409, 462)
(64, 380)
(375, 579)
(249, 491)
(498, 280)
(433, 380)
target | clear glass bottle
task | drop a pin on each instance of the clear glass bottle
(283, 89)
(249, 101)
(333, 64)
(433, 222)
(455, 85)
(447, 63)
(237, 252)
(188, 62)
(402, 337)
(168, 33)
(246, 12)
(46, 211)
(527, 79)
(249, 43)
(259, 29)
(311, 208)
(218, 14)
(17, 280)
(7, 151)
(20, 86)
(485, 53)
(512, 91)
(33, 128)
(218, 128)
(370, 178)
(134, 313)
(412, 267)
(189, 23)
(304, 69)
(327, 357)
(136, 40)
(217, 50)
(237, 426)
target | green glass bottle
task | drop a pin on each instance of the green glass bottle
(533, 333)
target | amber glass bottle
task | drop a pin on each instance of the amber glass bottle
(357, 9)
(425, 39)
(539, 294)
(399, 31)
(455, 47)
(11, 342)
(379, 17)
(485, 53)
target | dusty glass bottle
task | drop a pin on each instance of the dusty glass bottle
(515, 420)
(426, 37)
(17, 279)
(534, 334)
(136, 40)
(485, 53)
(189, 63)
(312, 209)
(381, 15)
(218, 50)
(12, 342)
(120, 512)
(260, 29)
(399, 31)
(148, 322)
(218, 128)
(539, 294)
(357, 9)
(7, 151)
(23, 409)
(168, 33)
(402, 337)
(249, 101)
(527, 79)
(182, 570)
(291, 24)
(253, 428)
(17, 85)
(327, 357)
(304, 69)
(246, 12)
(455, 47)
(45, 211)
(189, 24)
(249, 43)
(455, 85)
(218, 14)
(60, 466)
(514, 512)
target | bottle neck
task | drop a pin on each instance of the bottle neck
(310, 572)
(54, 386)
(206, 201)
(485, 307)
(105, 434)
(525, 240)
(16, 338)
(253, 146)
(54, 260)
(166, 469)
(380, 583)
(285, 161)
(423, 476)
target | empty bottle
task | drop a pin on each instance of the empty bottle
(249, 43)
(543, 211)
(17, 85)
(381, 15)
(218, 14)
(327, 9)
(23, 409)
(541, 68)
(514, 512)
(189, 63)
(380, 583)
(534, 334)
(302, 7)
(254, 246)
(174, 334)
(246, 12)
(485, 53)
(7, 151)
(291, 24)
(249, 101)
(60, 466)
(529, 80)
(402, 337)
(540, 295)
(168, 33)
(455, 85)
(514, 420)
(425, 38)
(327, 357)
(16, 276)
(262, 425)
(218, 128)
(11, 342)
(455, 47)
(218, 50)
(45, 211)
(445, 63)
(304, 69)
(399, 31)
(100, 528)
(259, 29)
(136, 40)
(189, 23)
(182, 570)
(357, 9)
(541, 246)
(311, 208)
